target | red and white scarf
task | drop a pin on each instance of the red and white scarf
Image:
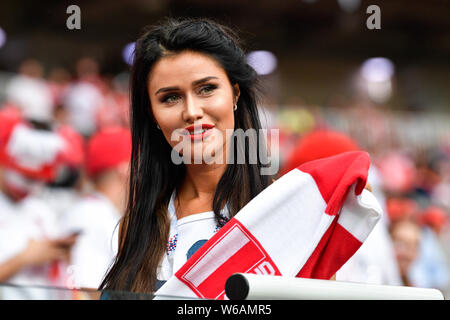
(306, 224)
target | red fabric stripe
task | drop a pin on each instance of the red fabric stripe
(334, 176)
(334, 249)
(45, 173)
(9, 118)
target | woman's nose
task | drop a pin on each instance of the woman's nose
(192, 111)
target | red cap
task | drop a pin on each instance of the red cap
(433, 216)
(319, 144)
(107, 149)
(401, 208)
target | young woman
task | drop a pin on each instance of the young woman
(191, 77)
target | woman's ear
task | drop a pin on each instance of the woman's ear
(236, 92)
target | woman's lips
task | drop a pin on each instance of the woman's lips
(199, 132)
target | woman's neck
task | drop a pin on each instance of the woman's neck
(198, 187)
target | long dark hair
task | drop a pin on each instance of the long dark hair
(153, 176)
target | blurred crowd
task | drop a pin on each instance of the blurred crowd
(410, 178)
(65, 148)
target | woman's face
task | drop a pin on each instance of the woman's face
(191, 91)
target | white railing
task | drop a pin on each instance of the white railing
(256, 287)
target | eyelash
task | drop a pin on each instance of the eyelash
(210, 87)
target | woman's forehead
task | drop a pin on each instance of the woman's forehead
(181, 67)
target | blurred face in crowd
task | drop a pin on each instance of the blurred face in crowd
(405, 236)
(191, 88)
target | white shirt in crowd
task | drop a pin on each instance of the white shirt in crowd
(20, 222)
(83, 101)
(32, 96)
(96, 220)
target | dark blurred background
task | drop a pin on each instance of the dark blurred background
(319, 44)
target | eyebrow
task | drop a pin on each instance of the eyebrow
(194, 83)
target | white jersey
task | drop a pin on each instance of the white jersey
(96, 220)
(186, 236)
(60, 200)
(19, 223)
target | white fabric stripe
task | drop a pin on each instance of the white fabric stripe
(227, 246)
(360, 214)
(288, 235)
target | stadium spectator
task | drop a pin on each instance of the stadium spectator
(97, 215)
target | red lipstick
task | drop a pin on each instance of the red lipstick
(199, 131)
